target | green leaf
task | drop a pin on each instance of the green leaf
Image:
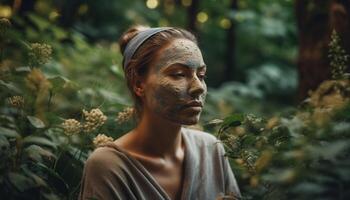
(55, 179)
(331, 150)
(36, 122)
(59, 33)
(112, 97)
(38, 154)
(117, 70)
(10, 87)
(248, 140)
(233, 120)
(8, 132)
(214, 122)
(58, 83)
(41, 141)
(37, 179)
(21, 182)
(41, 23)
(309, 188)
(23, 69)
(4, 144)
(287, 175)
(50, 196)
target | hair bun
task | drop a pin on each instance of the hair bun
(130, 34)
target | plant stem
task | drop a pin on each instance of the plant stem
(49, 102)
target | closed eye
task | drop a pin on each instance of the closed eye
(202, 76)
(178, 75)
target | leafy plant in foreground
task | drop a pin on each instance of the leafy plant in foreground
(304, 154)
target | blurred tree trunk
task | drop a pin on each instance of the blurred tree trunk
(24, 6)
(192, 11)
(316, 20)
(68, 10)
(229, 71)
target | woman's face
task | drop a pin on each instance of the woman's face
(175, 87)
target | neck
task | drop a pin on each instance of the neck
(157, 136)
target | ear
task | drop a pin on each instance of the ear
(139, 88)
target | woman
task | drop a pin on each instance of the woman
(160, 159)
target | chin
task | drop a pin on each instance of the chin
(187, 120)
(190, 121)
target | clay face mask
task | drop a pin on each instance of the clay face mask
(167, 94)
(181, 51)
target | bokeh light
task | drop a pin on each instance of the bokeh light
(152, 4)
(202, 17)
(5, 11)
(186, 3)
(83, 9)
(53, 15)
(225, 23)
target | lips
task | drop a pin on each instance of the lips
(194, 104)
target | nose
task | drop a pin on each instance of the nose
(197, 87)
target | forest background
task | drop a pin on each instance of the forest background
(277, 76)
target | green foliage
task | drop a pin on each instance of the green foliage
(267, 92)
(43, 149)
(302, 155)
(49, 75)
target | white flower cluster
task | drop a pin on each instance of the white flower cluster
(93, 119)
(71, 127)
(39, 54)
(102, 139)
(125, 115)
(339, 59)
(16, 101)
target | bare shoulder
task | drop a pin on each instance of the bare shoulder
(124, 141)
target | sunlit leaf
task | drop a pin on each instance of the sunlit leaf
(38, 154)
(233, 120)
(117, 70)
(8, 132)
(41, 141)
(58, 83)
(23, 69)
(215, 122)
(11, 87)
(59, 33)
(36, 122)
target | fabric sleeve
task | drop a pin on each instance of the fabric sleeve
(102, 182)
(231, 186)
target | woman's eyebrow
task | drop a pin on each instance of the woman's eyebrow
(175, 66)
(185, 66)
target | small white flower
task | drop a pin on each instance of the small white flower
(71, 127)
(93, 119)
(16, 101)
(125, 115)
(101, 139)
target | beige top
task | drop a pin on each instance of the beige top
(111, 173)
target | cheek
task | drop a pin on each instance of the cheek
(204, 94)
(169, 91)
